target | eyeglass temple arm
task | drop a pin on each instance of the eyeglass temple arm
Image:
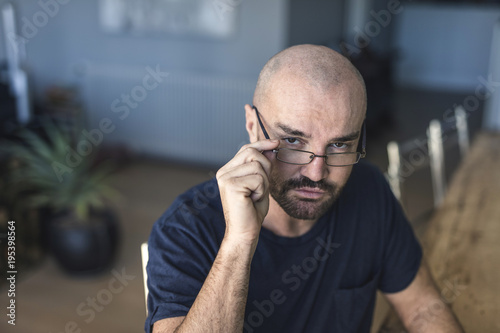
(260, 123)
(363, 139)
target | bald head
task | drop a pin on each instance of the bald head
(317, 66)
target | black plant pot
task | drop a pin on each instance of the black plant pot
(84, 248)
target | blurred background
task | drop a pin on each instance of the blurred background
(111, 108)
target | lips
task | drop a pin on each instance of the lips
(309, 192)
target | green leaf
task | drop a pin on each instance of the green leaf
(80, 190)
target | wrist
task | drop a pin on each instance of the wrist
(239, 245)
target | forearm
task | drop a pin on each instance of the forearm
(436, 316)
(220, 304)
(421, 307)
(244, 190)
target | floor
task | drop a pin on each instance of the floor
(50, 301)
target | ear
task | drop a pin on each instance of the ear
(251, 123)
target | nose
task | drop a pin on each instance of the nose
(316, 170)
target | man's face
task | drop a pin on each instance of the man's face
(317, 121)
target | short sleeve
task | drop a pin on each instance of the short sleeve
(181, 253)
(402, 253)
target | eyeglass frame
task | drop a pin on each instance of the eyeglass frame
(361, 153)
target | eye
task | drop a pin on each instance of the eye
(339, 145)
(292, 141)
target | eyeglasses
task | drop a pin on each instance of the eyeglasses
(303, 157)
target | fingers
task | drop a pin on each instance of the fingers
(244, 189)
(249, 153)
(248, 179)
(261, 145)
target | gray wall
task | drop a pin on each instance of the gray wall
(2, 41)
(315, 21)
(444, 47)
(73, 37)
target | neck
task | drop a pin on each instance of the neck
(282, 224)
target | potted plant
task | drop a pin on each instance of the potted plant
(48, 173)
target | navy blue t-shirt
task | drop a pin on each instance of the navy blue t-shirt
(322, 281)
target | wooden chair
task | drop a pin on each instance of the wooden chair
(144, 259)
(433, 147)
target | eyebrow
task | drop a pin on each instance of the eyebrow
(345, 138)
(295, 132)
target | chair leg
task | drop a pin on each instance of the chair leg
(462, 130)
(436, 155)
(393, 171)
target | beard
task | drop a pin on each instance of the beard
(303, 208)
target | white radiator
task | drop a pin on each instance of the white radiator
(186, 117)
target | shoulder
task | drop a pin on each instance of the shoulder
(368, 194)
(367, 179)
(202, 197)
(196, 212)
(366, 170)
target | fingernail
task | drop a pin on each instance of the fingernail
(275, 140)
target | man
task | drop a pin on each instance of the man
(294, 235)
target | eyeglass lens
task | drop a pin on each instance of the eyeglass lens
(303, 157)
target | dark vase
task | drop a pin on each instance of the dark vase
(84, 248)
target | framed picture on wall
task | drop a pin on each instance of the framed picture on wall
(206, 18)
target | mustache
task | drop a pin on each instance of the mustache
(306, 182)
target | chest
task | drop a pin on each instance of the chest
(328, 285)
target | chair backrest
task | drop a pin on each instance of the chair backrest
(436, 160)
(462, 130)
(436, 134)
(144, 259)
(434, 151)
(394, 169)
